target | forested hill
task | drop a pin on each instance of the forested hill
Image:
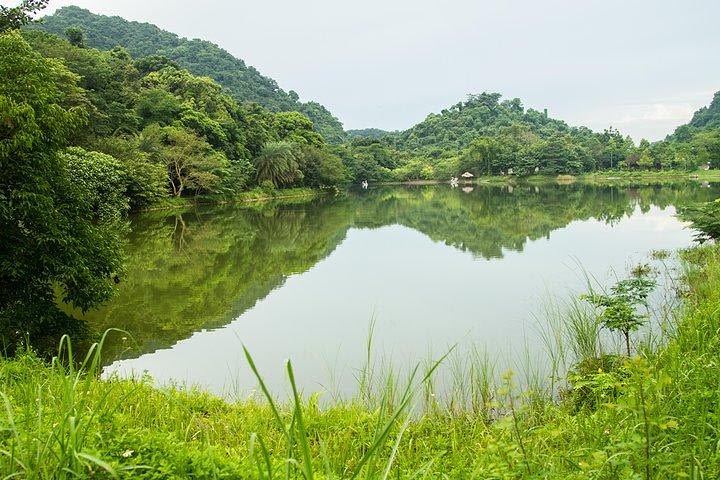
(367, 133)
(200, 57)
(483, 114)
(706, 118)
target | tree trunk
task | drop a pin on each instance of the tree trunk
(627, 342)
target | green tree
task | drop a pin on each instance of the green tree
(479, 157)
(705, 219)
(146, 181)
(191, 162)
(54, 239)
(76, 36)
(296, 128)
(278, 164)
(619, 309)
(12, 18)
(706, 146)
(320, 168)
(158, 106)
(104, 180)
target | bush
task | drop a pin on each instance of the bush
(146, 182)
(594, 381)
(102, 178)
(705, 218)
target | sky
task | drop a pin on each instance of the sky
(642, 66)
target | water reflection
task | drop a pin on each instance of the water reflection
(303, 280)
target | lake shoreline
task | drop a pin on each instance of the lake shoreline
(129, 423)
(249, 197)
(601, 178)
(605, 177)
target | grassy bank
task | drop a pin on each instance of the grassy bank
(251, 196)
(652, 416)
(606, 177)
(651, 176)
(614, 177)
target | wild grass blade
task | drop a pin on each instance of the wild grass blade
(98, 462)
(303, 439)
(268, 395)
(395, 448)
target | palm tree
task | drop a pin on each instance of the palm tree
(278, 164)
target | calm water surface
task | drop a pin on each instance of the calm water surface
(434, 266)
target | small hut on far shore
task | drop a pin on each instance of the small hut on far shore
(467, 175)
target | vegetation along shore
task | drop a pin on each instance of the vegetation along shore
(258, 205)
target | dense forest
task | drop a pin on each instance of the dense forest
(483, 135)
(200, 57)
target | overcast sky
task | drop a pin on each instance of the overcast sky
(642, 66)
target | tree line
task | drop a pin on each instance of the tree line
(485, 135)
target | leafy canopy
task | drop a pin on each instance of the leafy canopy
(60, 234)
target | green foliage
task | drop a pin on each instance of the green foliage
(320, 168)
(200, 57)
(619, 308)
(705, 219)
(296, 128)
(108, 78)
(704, 119)
(58, 237)
(146, 181)
(694, 144)
(156, 105)
(76, 36)
(128, 100)
(596, 380)
(373, 133)
(278, 164)
(191, 162)
(12, 18)
(103, 178)
(486, 136)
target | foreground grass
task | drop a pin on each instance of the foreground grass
(653, 416)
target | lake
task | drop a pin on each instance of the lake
(428, 266)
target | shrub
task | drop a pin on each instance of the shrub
(705, 218)
(594, 381)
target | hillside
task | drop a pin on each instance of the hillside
(705, 118)
(374, 133)
(708, 117)
(696, 142)
(483, 114)
(200, 57)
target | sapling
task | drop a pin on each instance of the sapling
(620, 308)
